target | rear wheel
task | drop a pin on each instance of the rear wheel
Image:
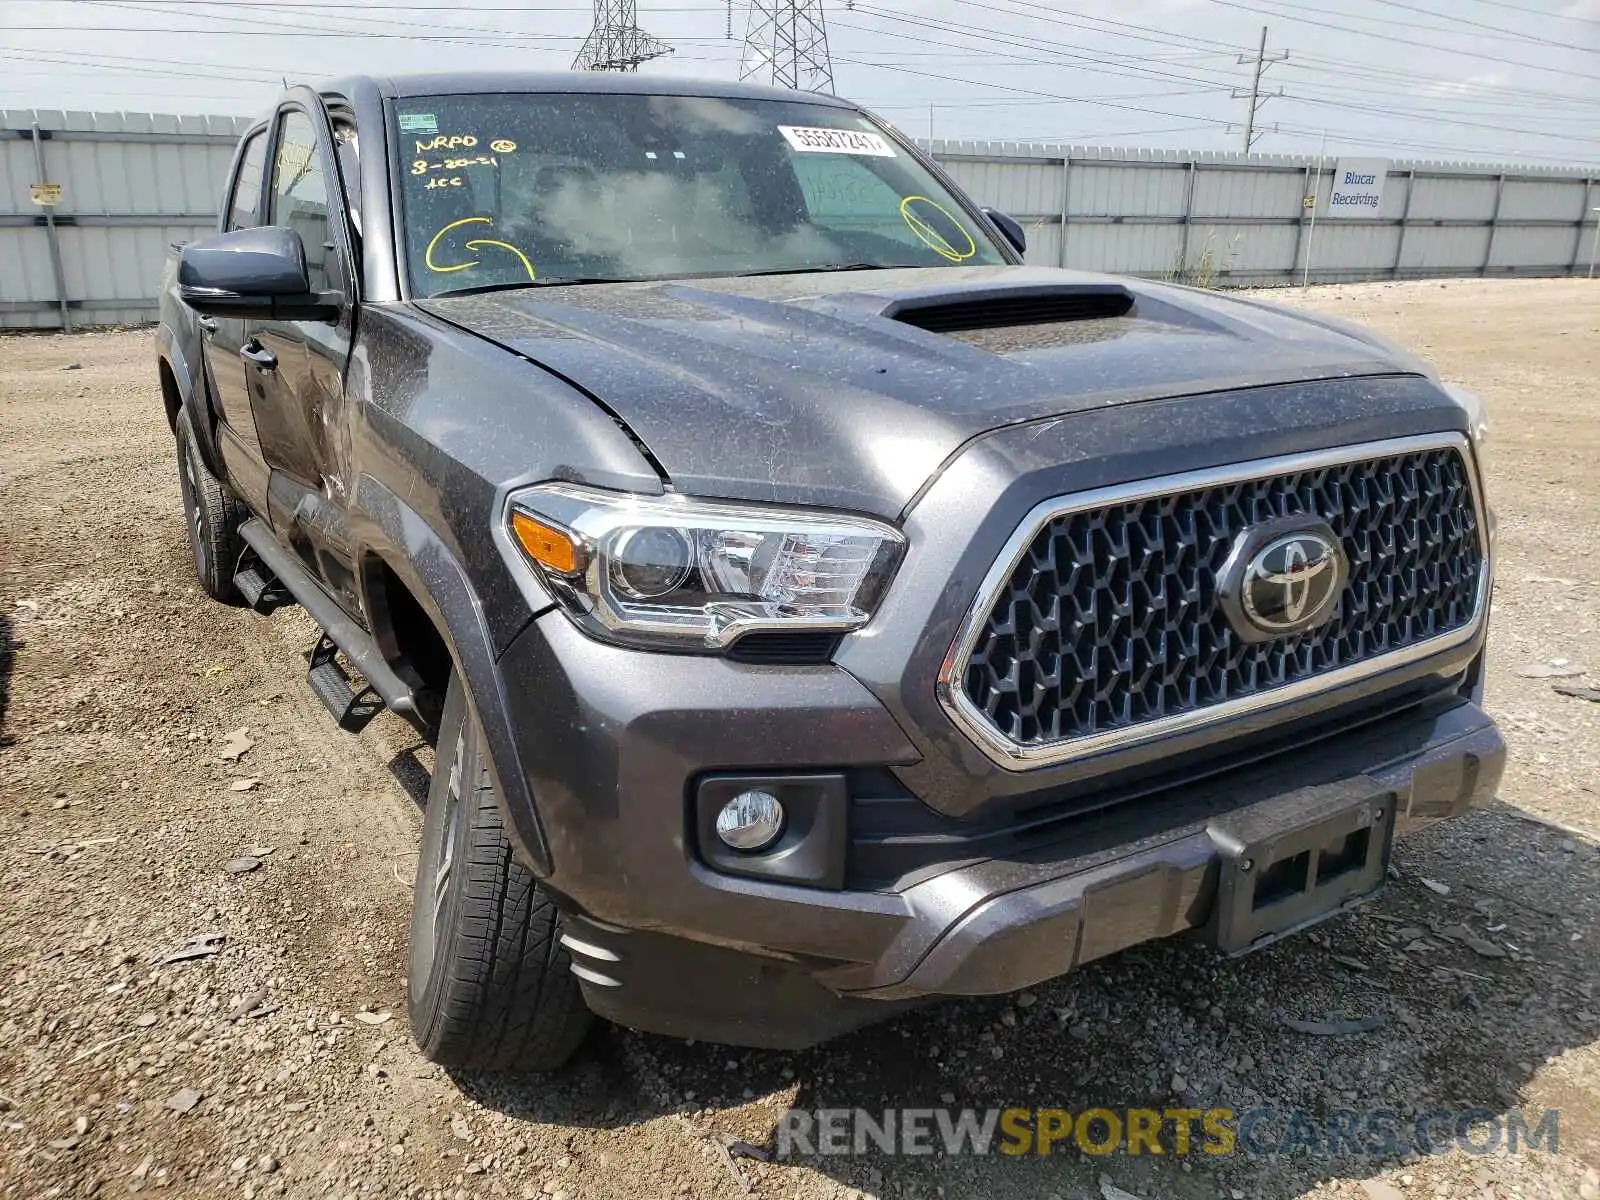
(489, 981)
(213, 518)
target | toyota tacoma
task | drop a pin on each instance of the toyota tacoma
(814, 610)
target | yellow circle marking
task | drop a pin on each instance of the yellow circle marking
(931, 237)
(472, 245)
(434, 241)
(502, 145)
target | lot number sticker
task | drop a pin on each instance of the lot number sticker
(809, 140)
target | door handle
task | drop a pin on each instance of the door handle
(206, 324)
(253, 351)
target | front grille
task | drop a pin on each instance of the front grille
(1107, 624)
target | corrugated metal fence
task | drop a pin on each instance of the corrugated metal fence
(1242, 219)
(132, 183)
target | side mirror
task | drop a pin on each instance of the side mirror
(253, 273)
(1008, 227)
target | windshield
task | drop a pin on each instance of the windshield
(524, 190)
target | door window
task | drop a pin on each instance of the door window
(300, 195)
(247, 189)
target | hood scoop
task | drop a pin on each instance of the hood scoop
(1011, 308)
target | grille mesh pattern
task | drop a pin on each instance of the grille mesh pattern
(1111, 619)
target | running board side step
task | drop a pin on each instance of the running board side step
(353, 708)
(257, 584)
(339, 632)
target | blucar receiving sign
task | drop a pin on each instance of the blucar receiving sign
(1358, 187)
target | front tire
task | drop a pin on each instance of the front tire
(212, 518)
(489, 985)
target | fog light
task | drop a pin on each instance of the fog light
(750, 821)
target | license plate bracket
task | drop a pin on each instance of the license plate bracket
(1299, 859)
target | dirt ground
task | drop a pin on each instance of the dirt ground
(118, 814)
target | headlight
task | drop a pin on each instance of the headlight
(1477, 412)
(696, 574)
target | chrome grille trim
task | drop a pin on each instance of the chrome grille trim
(951, 691)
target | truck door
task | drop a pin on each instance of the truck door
(224, 342)
(299, 397)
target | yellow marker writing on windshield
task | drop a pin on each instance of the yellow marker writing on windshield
(521, 257)
(931, 237)
(473, 244)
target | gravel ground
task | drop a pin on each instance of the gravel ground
(275, 1061)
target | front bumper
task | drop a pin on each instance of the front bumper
(613, 742)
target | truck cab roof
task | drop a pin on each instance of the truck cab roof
(454, 83)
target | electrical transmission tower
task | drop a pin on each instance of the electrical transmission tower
(1262, 60)
(786, 45)
(616, 43)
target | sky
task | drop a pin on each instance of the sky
(1509, 81)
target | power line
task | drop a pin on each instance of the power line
(1031, 91)
(1143, 33)
(1150, 64)
(1503, 32)
(275, 25)
(1505, 62)
(1094, 63)
(128, 94)
(519, 41)
(138, 66)
(1078, 137)
(1539, 12)
(343, 4)
(1360, 137)
(1345, 69)
(1566, 108)
(1263, 61)
(1389, 109)
(923, 105)
(465, 34)
(1346, 66)
(1496, 126)
(1042, 46)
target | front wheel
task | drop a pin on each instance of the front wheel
(213, 518)
(489, 981)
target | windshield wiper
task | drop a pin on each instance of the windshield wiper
(574, 280)
(853, 266)
(480, 288)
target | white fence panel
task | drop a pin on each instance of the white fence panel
(1235, 219)
(133, 182)
(1107, 189)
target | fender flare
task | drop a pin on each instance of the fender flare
(190, 380)
(394, 534)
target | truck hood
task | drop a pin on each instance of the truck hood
(850, 389)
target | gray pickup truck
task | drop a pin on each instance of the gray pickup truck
(815, 610)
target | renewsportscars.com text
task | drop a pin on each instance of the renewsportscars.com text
(1256, 1132)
